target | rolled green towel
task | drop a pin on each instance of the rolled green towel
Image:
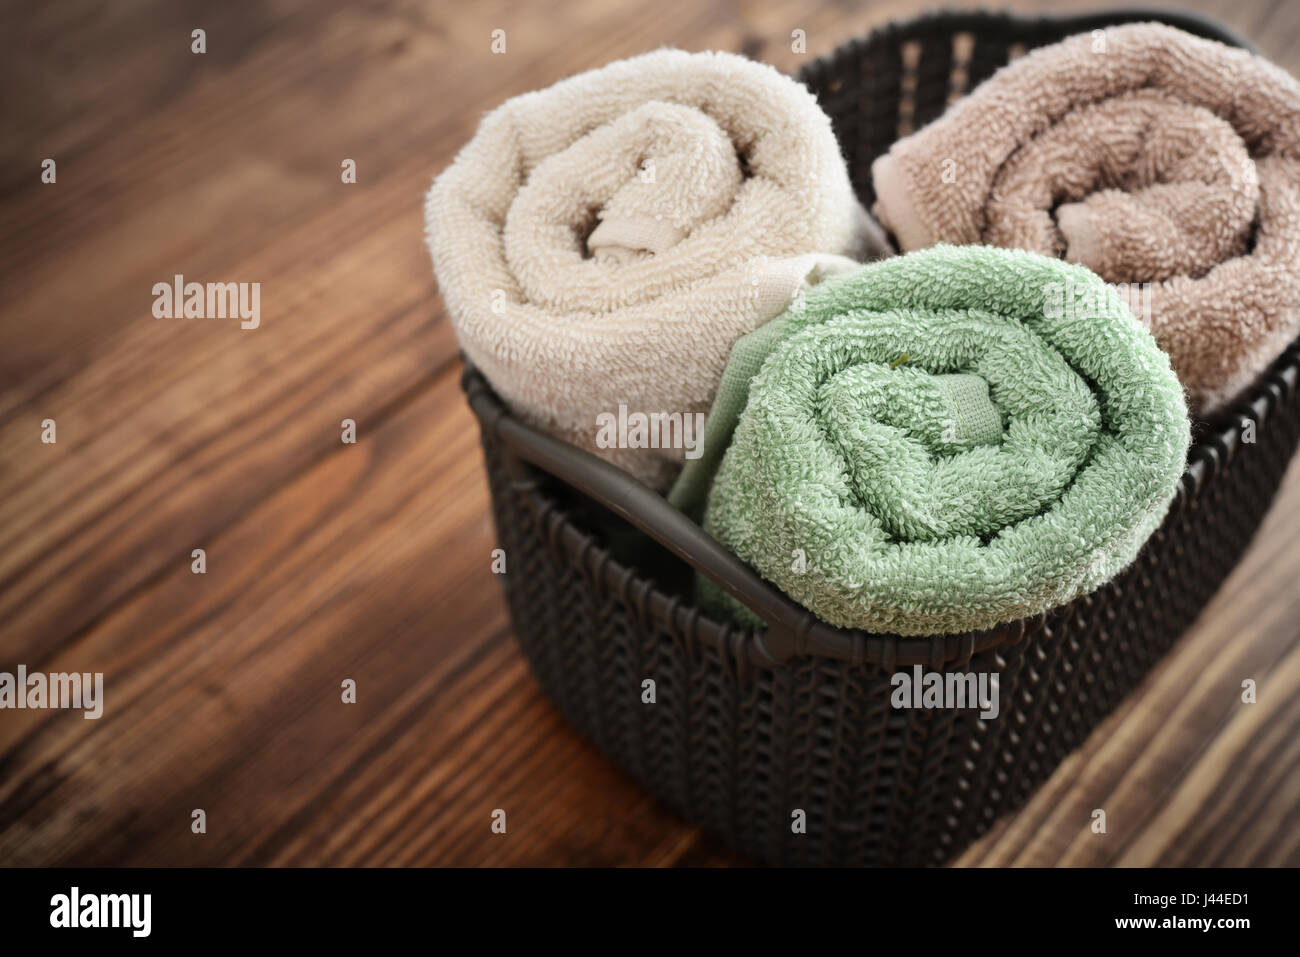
(941, 442)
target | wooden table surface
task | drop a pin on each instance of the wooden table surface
(329, 561)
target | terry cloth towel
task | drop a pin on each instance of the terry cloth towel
(1148, 155)
(604, 242)
(927, 445)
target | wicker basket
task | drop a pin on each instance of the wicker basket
(748, 728)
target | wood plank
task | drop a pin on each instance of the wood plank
(222, 692)
(151, 459)
(1241, 802)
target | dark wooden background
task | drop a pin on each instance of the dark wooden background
(370, 562)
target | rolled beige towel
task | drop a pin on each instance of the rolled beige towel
(1146, 154)
(604, 242)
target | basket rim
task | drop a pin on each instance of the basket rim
(792, 629)
(1026, 26)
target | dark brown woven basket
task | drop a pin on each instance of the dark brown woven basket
(748, 728)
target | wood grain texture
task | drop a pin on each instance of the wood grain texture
(370, 561)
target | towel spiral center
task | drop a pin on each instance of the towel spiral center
(983, 425)
(647, 180)
(1141, 193)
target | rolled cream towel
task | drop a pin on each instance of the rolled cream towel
(922, 447)
(603, 243)
(1150, 156)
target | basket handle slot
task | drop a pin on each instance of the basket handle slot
(789, 625)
